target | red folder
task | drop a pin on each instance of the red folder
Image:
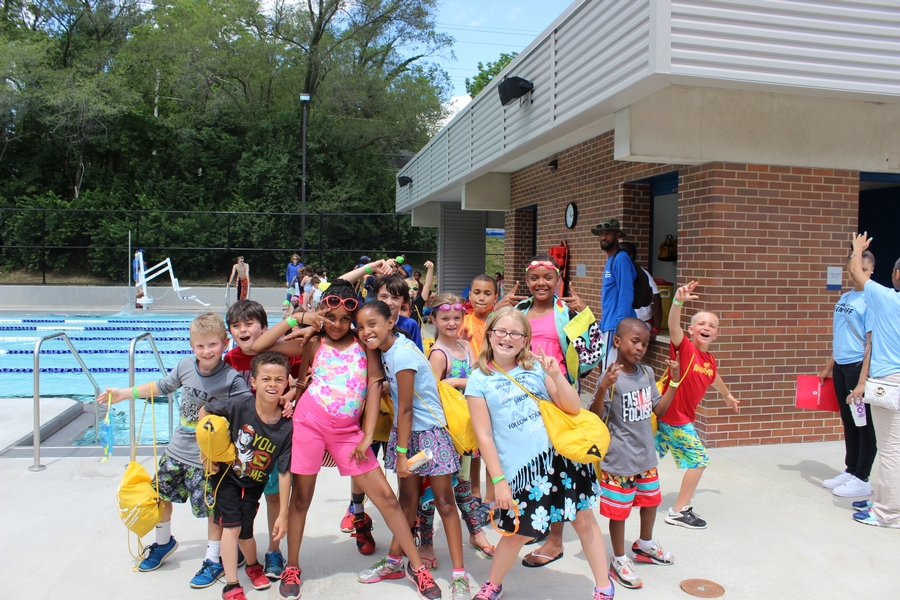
(812, 396)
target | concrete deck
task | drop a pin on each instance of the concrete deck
(774, 532)
(17, 425)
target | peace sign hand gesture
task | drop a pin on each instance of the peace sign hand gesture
(573, 300)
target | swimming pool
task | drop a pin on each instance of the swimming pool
(102, 341)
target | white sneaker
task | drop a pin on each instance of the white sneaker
(622, 570)
(853, 488)
(836, 481)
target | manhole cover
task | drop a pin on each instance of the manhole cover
(702, 588)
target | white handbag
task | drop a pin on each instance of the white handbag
(882, 392)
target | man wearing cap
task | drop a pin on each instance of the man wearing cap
(366, 287)
(617, 292)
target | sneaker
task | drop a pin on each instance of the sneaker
(208, 574)
(425, 585)
(347, 521)
(622, 570)
(154, 555)
(365, 543)
(853, 488)
(289, 588)
(656, 555)
(257, 576)
(241, 559)
(489, 591)
(685, 518)
(862, 504)
(274, 564)
(383, 569)
(867, 517)
(234, 594)
(601, 595)
(460, 588)
(836, 481)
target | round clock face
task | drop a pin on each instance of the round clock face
(571, 215)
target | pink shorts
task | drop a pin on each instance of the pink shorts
(315, 430)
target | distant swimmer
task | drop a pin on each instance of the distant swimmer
(241, 270)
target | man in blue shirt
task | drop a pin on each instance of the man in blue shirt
(617, 293)
(884, 303)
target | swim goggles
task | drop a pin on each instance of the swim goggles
(349, 304)
(542, 263)
(454, 306)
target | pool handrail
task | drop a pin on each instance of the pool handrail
(132, 442)
(37, 466)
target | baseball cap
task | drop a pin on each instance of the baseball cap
(364, 259)
(607, 225)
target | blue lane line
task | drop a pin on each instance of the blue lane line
(31, 352)
(78, 370)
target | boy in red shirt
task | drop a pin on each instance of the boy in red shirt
(676, 427)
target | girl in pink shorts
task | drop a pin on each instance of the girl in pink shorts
(345, 377)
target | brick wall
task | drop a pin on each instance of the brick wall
(758, 238)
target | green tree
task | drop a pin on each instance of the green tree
(487, 72)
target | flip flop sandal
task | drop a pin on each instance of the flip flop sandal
(528, 561)
(486, 552)
(430, 563)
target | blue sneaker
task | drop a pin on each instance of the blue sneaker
(241, 560)
(862, 504)
(154, 555)
(274, 564)
(208, 574)
(867, 517)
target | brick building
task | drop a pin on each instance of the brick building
(761, 137)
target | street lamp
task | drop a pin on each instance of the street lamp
(304, 101)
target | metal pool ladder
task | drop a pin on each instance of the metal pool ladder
(37, 466)
(162, 367)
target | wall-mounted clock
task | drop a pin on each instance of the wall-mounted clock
(571, 215)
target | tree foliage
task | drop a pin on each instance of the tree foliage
(193, 104)
(487, 72)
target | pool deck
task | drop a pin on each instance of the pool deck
(774, 532)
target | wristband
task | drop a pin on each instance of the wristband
(674, 385)
(368, 270)
(134, 392)
(291, 321)
(498, 479)
(677, 303)
(402, 450)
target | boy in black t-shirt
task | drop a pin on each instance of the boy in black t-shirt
(261, 435)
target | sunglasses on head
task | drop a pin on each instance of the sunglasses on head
(349, 304)
(454, 306)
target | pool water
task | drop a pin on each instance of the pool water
(103, 342)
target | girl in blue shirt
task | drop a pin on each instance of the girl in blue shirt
(526, 469)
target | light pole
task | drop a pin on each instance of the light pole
(304, 101)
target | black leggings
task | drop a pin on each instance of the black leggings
(858, 441)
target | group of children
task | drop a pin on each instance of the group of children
(307, 393)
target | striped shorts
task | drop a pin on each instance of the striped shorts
(618, 493)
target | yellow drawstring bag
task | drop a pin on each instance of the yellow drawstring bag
(140, 507)
(216, 445)
(456, 413)
(385, 419)
(582, 438)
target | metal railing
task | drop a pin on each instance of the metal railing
(162, 367)
(37, 466)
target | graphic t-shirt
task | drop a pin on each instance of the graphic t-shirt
(403, 356)
(631, 448)
(851, 323)
(698, 371)
(518, 429)
(885, 306)
(258, 444)
(197, 389)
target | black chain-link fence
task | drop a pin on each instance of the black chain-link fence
(65, 246)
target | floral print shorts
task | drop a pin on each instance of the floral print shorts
(557, 490)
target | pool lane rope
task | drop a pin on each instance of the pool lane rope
(31, 352)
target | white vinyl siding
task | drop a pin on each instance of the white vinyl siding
(461, 247)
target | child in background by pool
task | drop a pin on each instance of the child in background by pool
(202, 378)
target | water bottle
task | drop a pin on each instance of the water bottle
(421, 461)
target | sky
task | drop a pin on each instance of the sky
(485, 28)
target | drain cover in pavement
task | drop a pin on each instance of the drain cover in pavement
(702, 588)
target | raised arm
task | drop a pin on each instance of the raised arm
(860, 244)
(376, 267)
(429, 279)
(682, 295)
